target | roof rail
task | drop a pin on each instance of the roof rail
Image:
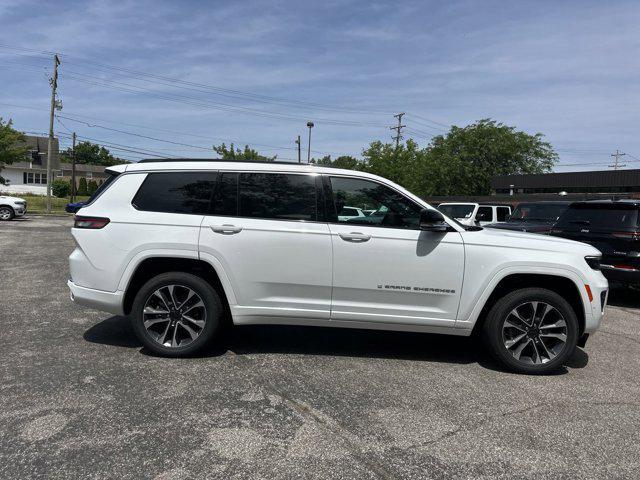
(162, 160)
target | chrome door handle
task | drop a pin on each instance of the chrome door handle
(355, 237)
(226, 229)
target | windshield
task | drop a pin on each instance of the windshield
(457, 211)
(599, 217)
(537, 211)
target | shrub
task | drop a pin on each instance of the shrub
(92, 186)
(60, 188)
(82, 187)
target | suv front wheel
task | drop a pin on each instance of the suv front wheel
(176, 314)
(6, 213)
(532, 330)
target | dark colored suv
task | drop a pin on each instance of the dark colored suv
(613, 227)
(534, 217)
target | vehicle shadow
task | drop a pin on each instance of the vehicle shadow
(321, 341)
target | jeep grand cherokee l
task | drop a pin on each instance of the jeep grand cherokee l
(184, 246)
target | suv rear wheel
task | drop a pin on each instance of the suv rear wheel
(532, 330)
(176, 314)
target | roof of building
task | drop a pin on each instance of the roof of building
(602, 178)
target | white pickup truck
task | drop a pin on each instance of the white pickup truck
(475, 213)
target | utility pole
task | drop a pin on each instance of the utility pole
(616, 158)
(398, 129)
(299, 151)
(54, 86)
(310, 125)
(73, 167)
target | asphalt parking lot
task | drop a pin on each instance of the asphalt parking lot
(80, 399)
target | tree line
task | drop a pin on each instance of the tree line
(459, 162)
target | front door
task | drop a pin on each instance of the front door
(264, 231)
(385, 269)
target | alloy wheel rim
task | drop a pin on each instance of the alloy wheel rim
(534, 333)
(5, 214)
(174, 316)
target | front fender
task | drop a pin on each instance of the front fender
(470, 311)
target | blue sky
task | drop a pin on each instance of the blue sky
(259, 70)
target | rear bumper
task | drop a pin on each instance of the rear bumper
(621, 275)
(106, 301)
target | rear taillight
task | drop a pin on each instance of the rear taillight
(90, 222)
(622, 266)
(627, 235)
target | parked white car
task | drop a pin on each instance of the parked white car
(348, 213)
(184, 247)
(475, 213)
(11, 207)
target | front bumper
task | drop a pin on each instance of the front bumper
(111, 302)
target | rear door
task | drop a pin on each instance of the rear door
(385, 269)
(267, 231)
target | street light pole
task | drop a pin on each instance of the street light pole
(310, 125)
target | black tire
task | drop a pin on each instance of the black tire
(6, 213)
(213, 311)
(494, 339)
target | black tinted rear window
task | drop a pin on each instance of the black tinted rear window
(599, 217)
(176, 192)
(538, 211)
(278, 196)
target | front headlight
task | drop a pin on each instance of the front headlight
(593, 262)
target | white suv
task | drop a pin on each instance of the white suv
(185, 247)
(11, 207)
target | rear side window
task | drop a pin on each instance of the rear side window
(502, 214)
(225, 201)
(485, 214)
(176, 192)
(278, 196)
(599, 217)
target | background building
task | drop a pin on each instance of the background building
(597, 182)
(30, 176)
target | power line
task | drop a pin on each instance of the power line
(179, 83)
(197, 102)
(173, 132)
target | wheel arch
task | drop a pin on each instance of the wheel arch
(152, 266)
(561, 284)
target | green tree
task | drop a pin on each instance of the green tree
(405, 165)
(60, 188)
(345, 161)
(91, 154)
(235, 154)
(12, 146)
(465, 159)
(82, 187)
(92, 186)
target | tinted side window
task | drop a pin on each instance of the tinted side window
(225, 201)
(485, 214)
(503, 213)
(278, 196)
(389, 208)
(176, 192)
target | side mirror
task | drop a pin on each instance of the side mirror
(432, 221)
